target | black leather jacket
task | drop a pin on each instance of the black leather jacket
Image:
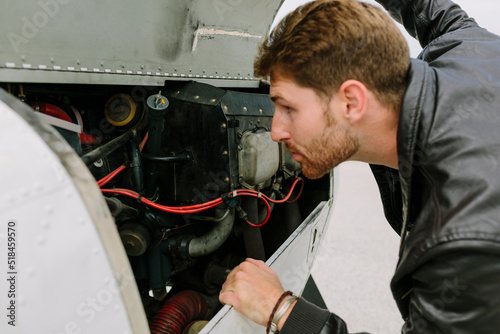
(445, 198)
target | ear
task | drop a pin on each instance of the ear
(353, 95)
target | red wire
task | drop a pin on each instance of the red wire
(208, 205)
(117, 171)
(268, 208)
(143, 142)
(249, 191)
(173, 209)
(300, 192)
(110, 176)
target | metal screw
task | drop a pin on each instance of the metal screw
(99, 163)
(224, 108)
(225, 153)
(260, 111)
(240, 134)
(226, 179)
(223, 125)
(244, 108)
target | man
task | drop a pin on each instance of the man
(345, 88)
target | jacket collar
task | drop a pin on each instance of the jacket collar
(409, 125)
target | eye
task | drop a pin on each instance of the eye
(288, 109)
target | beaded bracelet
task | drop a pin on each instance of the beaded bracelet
(270, 323)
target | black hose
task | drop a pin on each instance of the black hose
(169, 159)
(157, 106)
(108, 148)
(252, 236)
(136, 165)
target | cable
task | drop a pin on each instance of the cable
(117, 171)
(208, 205)
(172, 209)
(249, 191)
(300, 192)
(110, 176)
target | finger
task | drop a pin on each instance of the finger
(260, 264)
(225, 298)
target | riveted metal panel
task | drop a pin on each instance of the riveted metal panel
(71, 41)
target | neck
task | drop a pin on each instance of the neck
(378, 138)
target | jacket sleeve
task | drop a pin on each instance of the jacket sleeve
(456, 293)
(426, 20)
(307, 318)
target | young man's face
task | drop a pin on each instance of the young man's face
(307, 125)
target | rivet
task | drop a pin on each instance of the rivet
(9, 197)
(196, 97)
(52, 60)
(44, 223)
(99, 163)
(31, 271)
(212, 100)
(260, 111)
(240, 134)
(223, 125)
(224, 108)
(40, 239)
(49, 209)
(225, 153)
(23, 192)
(244, 108)
(226, 179)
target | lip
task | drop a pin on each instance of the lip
(295, 156)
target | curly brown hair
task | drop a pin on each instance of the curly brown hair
(326, 42)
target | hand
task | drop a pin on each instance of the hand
(253, 289)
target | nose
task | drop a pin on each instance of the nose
(279, 131)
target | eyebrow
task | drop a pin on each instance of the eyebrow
(277, 97)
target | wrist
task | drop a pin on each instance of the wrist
(281, 310)
(283, 319)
